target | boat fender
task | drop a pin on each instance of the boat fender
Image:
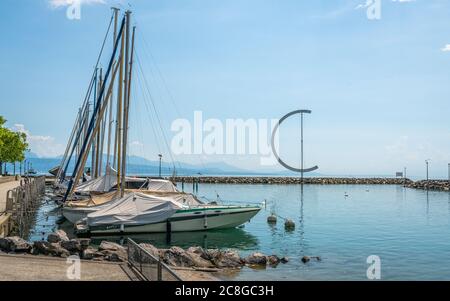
(122, 227)
(205, 225)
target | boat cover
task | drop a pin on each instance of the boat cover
(161, 185)
(103, 183)
(135, 209)
(181, 197)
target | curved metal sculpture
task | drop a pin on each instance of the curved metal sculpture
(285, 165)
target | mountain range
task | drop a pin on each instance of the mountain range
(142, 166)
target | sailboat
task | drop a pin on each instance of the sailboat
(109, 206)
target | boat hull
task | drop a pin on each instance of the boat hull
(75, 215)
(186, 221)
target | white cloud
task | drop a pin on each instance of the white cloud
(446, 48)
(62, 3)
(43, 146)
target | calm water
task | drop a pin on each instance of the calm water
(408, 229)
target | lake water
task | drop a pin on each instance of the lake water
(344, 224)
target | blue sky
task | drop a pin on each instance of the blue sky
(379, 89)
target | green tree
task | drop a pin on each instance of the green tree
(13, 145)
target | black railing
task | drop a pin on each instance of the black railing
(150, 267)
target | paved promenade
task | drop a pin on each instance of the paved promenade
(4, 187)
(42, 268)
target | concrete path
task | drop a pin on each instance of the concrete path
(42, 268)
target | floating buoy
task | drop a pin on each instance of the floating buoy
(272, 219)
(289, 224)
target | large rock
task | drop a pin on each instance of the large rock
(256, 259)
(110, 246)
(112, 251)
(228, 259)
(151, 249)
(73, 245)
(47, 248)
(200, 252)
(273, 260)
(57, 236)
(176, 256)
(89, 253)
(14, 244)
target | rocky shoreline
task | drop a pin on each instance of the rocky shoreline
(59, 245)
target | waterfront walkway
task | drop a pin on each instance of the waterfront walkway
(42, 268)
(5, 185)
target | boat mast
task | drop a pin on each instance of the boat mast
(126, 100)
(93, 126)
(93, 116)
(110, 120)
(100, 135)
(119, 129)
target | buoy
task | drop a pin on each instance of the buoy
(272, 219)
(289, 224)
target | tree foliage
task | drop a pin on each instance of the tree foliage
(13, 145)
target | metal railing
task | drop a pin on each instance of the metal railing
(150, 267)
(22, 202)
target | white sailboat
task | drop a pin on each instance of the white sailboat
(158, 208)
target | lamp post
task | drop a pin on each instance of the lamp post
(449, 173)
(160, 162)
(427, 162)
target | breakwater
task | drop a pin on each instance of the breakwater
(439, 185)
(293, 180)
(443, 185)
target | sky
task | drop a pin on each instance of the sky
(378, 89)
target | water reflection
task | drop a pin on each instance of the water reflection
(222, 239)
(301, 222)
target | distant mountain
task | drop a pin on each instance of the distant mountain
(141, 166)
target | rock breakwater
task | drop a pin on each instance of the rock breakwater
(292, 180)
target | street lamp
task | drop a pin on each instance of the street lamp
(427, 162)
(160, 162)
(449, 173)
